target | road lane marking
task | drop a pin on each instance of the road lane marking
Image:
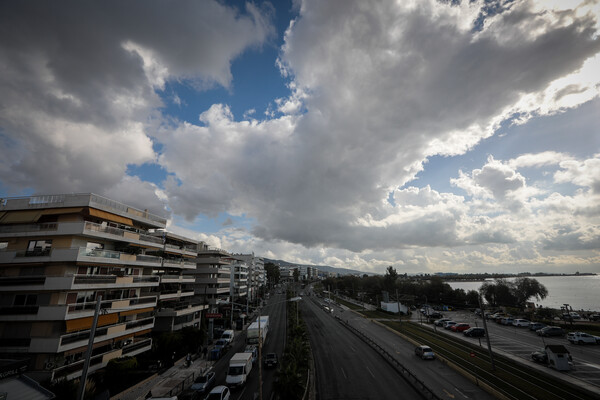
(461, 393)
(370, 372)
(344, 373)
(449, 394)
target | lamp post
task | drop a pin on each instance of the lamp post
(88, 353)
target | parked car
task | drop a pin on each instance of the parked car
(449, 324)
(536, 326)
(506, 321)
(424, 352)
(520, 322)
(270, 360)
(580, 338)
(441, 321)
(474, 332)
(551, 331)
(251, 348)
(204, 382)
(460, 327)
(594, 317)
(540, 356)
(219, 393)
(222, 344)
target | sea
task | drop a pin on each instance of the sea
(580, 292)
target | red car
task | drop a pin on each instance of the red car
(460, 327)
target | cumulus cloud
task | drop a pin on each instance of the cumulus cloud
(79, 82)
(376, 89)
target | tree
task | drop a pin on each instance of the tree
(513, 294)
(273, 273)
(526, 288)
(389, 279)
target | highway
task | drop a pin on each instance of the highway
(346, 367)
(275, 343)
(442, 380)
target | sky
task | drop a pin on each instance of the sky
(431, 136)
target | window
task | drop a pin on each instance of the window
(3, 245)
(25, 300)
(39, 247)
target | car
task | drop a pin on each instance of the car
(220, 392)
(506, 321)
(463, 326)
(520, 322)
(441, 321)
(251, 348)
(580, 338)
(222, 344)
(535, 326)
(204, 382)
(594, 317)
(474, 332)
(449, 324)
(424, 352)
(228, 336)
(270, 360)
(550, 331)
(540, 356)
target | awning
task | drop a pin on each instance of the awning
(19, 217)
(80, 324)
(69, 210)
(110, 217)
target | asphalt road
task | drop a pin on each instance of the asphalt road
(275, 309)
(441, 379)
(346, 367)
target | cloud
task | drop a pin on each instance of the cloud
(79, 82)
(377, 89)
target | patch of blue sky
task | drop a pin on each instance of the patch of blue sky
(256, 84)
(207, 225)
(149, 172)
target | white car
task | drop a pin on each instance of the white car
(219, 393)
(581, 338)
(521, 322)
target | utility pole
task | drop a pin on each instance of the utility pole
(88, 353)
(487, 333)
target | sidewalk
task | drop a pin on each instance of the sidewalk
(175, 379)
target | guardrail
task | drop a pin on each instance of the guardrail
(406, 373)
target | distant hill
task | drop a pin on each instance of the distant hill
(325, 268)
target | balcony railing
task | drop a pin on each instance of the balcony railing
(92, 226)
(136, 346)
(83, 251)
(19, 310)
(94, 279)
(22, 280)
(51, 226)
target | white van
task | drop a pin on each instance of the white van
(228, 336)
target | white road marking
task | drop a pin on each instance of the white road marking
(370, 372)
(344, 373)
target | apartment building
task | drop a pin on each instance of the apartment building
(58, 255)
(256, 273)
(177, 307)
(212, 276)
(239, 280)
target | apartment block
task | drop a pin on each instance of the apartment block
(58, 254)
(177, 308)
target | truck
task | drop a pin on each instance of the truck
(240, 366)
(253, 332)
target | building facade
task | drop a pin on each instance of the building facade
(58, 255)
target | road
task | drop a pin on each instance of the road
(346, 367)
(275, 343)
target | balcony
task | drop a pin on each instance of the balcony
(180, 309)
(75, 282)
(78, 254)
(177, 279)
